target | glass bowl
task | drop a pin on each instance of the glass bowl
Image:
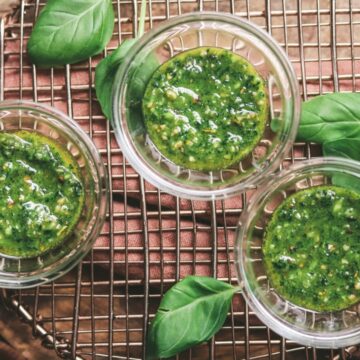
(319, 329)
(187, 32)
(27, 272)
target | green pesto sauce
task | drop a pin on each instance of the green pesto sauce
(312, 248)
(206, 108)
(41, 194)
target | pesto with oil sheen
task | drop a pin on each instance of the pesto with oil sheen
(206, 108)
(312, 249)
(41, 193)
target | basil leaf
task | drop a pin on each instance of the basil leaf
(191, 312)
(68, 32)
(136, 90)
(334, 121)
(141, 77)
(330, 117)
(106, 69)
(105, 72)
(346, 181)
(275, 124)
(348, 148)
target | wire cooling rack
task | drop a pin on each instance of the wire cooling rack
(150, 239)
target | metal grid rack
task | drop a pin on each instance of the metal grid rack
(150, 239)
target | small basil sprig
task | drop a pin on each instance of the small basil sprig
(191, 312)
(68, 32)
(333, 120)
(106, 69)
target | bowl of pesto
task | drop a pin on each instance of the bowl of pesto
(52, 194)
(298, 252)
(193, 102)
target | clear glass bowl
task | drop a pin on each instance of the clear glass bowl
(319, 329)
(187, 32)
(27, 272)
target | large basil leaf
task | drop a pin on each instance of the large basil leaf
(105, 72)
(191, 312)
(69, 31)
(330, 117)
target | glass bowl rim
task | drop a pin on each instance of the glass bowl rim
(63, 265)
(306, 337)
(141, 165)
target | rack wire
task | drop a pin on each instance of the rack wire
(150, 240)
